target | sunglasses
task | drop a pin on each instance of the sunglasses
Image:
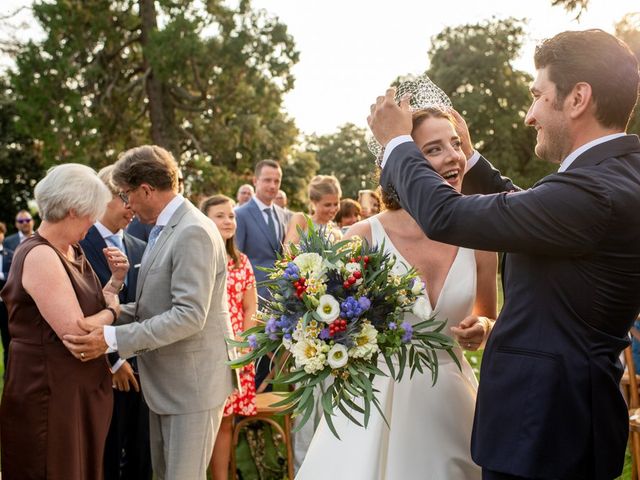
(24, 220)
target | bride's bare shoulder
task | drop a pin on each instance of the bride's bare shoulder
(360, 229)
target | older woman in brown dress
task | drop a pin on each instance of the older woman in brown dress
(56, 409)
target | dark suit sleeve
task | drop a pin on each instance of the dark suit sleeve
(565, 215)
(241, 230)
(484, 178)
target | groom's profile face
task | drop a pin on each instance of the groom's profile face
(546, 114)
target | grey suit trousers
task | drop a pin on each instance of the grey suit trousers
(181, 445)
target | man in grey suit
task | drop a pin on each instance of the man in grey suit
(178, 324)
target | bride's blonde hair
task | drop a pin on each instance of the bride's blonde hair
(322, 185)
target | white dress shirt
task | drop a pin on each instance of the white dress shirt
(106, 234)
(262, 207)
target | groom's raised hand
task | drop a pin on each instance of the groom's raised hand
(388, 119)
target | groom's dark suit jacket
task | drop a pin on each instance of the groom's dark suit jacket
(549, 404)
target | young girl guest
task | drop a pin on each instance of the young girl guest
(243, 299)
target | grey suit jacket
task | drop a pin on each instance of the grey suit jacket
(180, 319)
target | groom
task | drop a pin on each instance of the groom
(549, 405)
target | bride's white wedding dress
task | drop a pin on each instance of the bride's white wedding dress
(429, 431)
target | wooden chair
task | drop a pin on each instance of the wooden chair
(266, 413)
(633, 399)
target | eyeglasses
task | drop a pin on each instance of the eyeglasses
(24, 220)
(124, 194)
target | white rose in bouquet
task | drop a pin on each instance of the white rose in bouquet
(328, 309)
(337, 356)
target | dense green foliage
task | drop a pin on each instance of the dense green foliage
(20, 160)
(345, 155)
(198, 78)
(473, 64)
(628, 29)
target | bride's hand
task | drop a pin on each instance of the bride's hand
(388, 119)
(472, 331)
(463, 132)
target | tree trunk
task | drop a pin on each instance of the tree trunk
(160, 108)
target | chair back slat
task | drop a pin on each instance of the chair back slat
(634, 398)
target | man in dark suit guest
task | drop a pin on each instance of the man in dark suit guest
(261, 230)
(5, 263)
(261, 223)
(127, 455)
(24, 224)
(549, 404)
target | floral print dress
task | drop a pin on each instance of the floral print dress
(239, 280)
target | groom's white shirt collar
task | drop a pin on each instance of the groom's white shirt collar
(169, 209)
(474, 158)
(580, 150)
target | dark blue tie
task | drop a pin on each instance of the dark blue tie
(271, 223)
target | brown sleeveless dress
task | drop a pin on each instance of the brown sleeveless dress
(55, 410)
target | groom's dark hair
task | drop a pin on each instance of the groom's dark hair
(598, 58)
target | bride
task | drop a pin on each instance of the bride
(429, 432)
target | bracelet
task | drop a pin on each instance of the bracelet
(117, 289)
(113, 312)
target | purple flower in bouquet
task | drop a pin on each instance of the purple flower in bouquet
(352, 308)
(253, 341)
(365, 303)
(408, 332)
(392, 325)
(286, 323)
(271, 326)
(324, 334)
(292, 272)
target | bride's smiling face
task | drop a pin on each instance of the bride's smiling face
(440, 144)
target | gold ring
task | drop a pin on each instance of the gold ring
(82, 355)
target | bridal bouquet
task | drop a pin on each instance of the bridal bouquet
(335, 309)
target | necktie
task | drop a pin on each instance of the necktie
(153, 237)
(116, 241)
(271, 223)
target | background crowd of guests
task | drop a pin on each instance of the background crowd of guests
(79, 269)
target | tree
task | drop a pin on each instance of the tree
(345, 155)
(628, 29)
(20, 160)
(572, 5)
(473, 64)
(199, 78)
(297, 171)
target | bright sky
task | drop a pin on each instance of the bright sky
(350, 50)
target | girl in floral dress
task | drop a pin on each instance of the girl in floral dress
(243, 299)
